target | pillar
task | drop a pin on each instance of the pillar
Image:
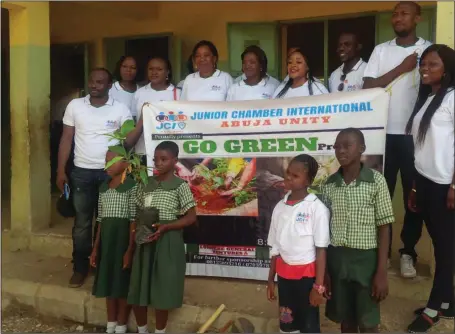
(445, 23)
(29, 105)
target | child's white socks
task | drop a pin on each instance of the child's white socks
(160, 330)
(142, 329)
(110, 328)
(120, 329)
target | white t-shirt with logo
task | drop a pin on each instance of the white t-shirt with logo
(91, 127)
(353, 81)
(148, 94)
(296, 230)
(214, 88)
(119, 94)
(271, 79)
(240, 91)
(434, 158)
(404, 89)
(317, 86)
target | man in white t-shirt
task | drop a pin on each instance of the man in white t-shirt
(88, 121)
(349, 76)
(394, 65)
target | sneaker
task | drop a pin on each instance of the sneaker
(77, 280)
(422, 323)
(443, 314)
(407, 267)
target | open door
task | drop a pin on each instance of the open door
(176, 59)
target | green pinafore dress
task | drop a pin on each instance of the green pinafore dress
(158, 270)
(116, 210)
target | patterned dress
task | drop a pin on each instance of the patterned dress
(158, 271)
(117, 208)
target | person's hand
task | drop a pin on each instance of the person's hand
(228, 181)
(93, 258)
(160, 230)
(328, 286)
(127, 258)
(271, 291)
(61, 180)
(229, 193)
(380, 285)
(409, 63)
(451, 199)
(316, 298)
(412, 202)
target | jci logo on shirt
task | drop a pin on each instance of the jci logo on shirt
(216, 88)
(302, 217)
(112, 124)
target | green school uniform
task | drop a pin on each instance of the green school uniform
(158, 270)
(357, 209)
(116, 209)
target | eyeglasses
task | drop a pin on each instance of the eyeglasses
(341, 85)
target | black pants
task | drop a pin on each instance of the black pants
(296, 312)
(399, 156)
(84, 186)
(432, 201)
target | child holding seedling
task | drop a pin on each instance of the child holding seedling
(299, 236)
(167, 205)
(113, 249)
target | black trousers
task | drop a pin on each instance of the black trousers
(432, 201)
(399, 156)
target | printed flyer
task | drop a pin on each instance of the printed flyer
(234, 156)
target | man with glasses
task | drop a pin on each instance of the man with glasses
(349, 76)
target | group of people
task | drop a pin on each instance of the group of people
(335, 247)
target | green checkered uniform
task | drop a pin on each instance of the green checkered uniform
(116, 209)
(158, 270)
(357, 209)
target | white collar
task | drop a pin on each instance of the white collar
(149, 86)
(263, 82)
(217, 73)
(119, 87)
(420, 41)
(308, 198)
(356, 66)
(110, 101)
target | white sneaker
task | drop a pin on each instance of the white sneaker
(407, 267)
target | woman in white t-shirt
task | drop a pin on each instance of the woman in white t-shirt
(190, 67)
(257, 85)
(125, 85)
(208, 83)
(301, 81)
(432, 127)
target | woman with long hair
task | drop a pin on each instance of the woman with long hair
(257, 84)
(208, 83)
(301, 80)
(125, 84)
(433, 194)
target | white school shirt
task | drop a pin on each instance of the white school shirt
(213, 88)
(296, 230)
(240, 91)
(119, 94)
(404, 89)
(91, 125)
(434, 158)
(148, 94)
(318, 89)
(243, 77)
(353, 81)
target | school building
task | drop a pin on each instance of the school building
(49, 47)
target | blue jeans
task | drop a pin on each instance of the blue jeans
(84, 186)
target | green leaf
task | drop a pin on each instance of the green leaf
(144, 176)
(113, 161)
(118, 149)
(127, 127)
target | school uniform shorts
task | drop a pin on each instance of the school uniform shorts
(351, 272)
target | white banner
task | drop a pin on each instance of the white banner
(234, 156)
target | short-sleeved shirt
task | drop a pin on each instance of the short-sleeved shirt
(91, 127)
(317, 86)
(434, 158)
(147, 94)
(118, 202)
(240, 91)
(357, 209)
(213, 88)
(404, 89)
(172, 198)
(271, 79)
(353, 80)
(121, 95)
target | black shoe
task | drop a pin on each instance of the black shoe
(77, 280)
(442, 313)
(422, 323)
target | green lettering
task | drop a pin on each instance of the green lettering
(191, 147)
(232, 146)
(267, 145)
(285, 144)
(309, 144)
(250, 146)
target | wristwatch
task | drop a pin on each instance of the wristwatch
(319, 288)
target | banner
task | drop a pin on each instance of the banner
(235, 154)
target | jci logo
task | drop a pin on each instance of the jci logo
(171, 120)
